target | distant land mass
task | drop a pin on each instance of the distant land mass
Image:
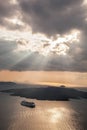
(44, 93)
(7, 83)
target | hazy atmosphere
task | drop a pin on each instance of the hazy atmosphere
(37, 35)
(43, 64)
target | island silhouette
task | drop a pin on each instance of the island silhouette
(45, 92)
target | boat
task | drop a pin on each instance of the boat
(28, 104)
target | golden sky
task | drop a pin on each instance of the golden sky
(45, 77)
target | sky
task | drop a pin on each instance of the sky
(43, 41)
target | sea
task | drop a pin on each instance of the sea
(47, 115)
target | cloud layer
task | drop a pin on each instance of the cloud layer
(22, 61)
(49, 17)
(54, 16)
(9, 11)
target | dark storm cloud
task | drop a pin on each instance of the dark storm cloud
(8, 11)
(46, 16)
(53, 16)
(6, 8)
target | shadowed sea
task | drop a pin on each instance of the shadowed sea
(47, 115)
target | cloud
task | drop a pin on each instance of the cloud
(50, 46)
(54, 16)
(8, 11)
(22, 42)
(24, 61)
(32, 58)
(49, 17)
(7, 57)
(6, 8)
(7, 46)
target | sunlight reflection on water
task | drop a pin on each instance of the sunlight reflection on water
(46, 115)
(55, 114)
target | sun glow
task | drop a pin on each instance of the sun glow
(13, 1)
(45, 46)
(57, 114)
(28, 42)
(85, 2)
(16, 21)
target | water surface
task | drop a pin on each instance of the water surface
(47, 115)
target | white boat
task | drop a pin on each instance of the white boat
(28, 104)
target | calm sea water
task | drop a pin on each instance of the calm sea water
(47, 115)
